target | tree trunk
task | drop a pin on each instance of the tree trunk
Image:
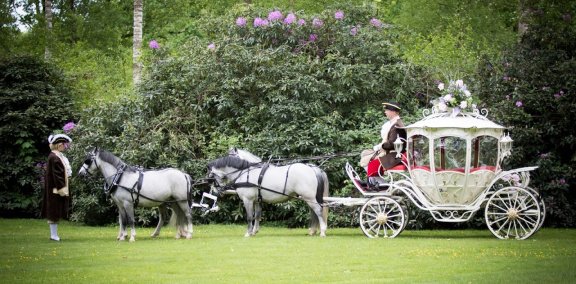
(137, 42)
(524, 13)
(48, 16)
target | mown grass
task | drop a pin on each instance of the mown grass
(220, 254)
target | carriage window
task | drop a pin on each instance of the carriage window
(419, 149)
(484, 152)
(450, 153)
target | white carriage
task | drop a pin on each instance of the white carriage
(452, 170)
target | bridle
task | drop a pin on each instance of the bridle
(88, 162)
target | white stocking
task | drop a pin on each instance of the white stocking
(54, 232)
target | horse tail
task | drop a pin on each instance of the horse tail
(322, 191)
(323, 184)
(325, 193)
(188, 189)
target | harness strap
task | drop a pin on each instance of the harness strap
(138, 186)
(286, 179)
(260, 178)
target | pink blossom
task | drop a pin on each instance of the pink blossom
(301, 22)
(313, 37)
(376, 23)
(153, 44)
(241, 21)
(317, 23)
(519, 103)
(353, 31)
(259, 22)
(290, 18)
(68, 127)
(339, 15)
(211, 46)
(275, 16)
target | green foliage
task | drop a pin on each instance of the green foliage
(452, 36)
(34, 101)
(272, 90)
(532, 90)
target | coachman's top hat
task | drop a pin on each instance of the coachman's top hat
(392, 105)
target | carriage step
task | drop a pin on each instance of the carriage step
(367, 186)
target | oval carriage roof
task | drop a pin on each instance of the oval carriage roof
(444, 120)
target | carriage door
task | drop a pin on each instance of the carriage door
(450, 165)
(484, 162)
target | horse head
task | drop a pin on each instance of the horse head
(226, 170)
(90, 164)
(244, 155)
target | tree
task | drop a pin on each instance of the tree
(137, 43)
(48, 16)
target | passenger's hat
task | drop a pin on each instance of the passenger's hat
(392, 105)
(59, 138)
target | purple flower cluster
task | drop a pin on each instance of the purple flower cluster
(153, 44)
(376, 23)
(275, 16)
(68, 127)
(259, 22)
(317, 23)
(290, 18)
(241, 21)
(559, 94)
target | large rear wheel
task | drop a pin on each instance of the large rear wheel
(382, 216)
(513, 212)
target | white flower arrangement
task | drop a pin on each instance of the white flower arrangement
(455, 96)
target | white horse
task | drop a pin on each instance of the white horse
(130, 187)
(255, 181)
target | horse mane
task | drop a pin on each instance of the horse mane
(243, 154)
(111, 159)
(230, 161)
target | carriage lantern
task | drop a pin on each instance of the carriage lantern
(398, 147)
(506, 145)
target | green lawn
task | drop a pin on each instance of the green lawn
(220, 254)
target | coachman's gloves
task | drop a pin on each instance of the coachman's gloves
(62, 192)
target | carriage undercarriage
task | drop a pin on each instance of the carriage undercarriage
(510, 211)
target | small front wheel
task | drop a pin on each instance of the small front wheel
(513, 212)
(382, 216)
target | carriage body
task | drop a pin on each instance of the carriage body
(452, 169)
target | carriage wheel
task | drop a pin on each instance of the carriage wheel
(542, 206)
(513, 212)
(382, 216)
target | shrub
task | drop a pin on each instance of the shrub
(34, 102)
(532, 91)
(279, 90)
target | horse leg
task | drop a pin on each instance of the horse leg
(176, 219)
(131, 221)
(186, 219)
(249, 207)
(122, 221)
(257, 218)
(162, 213)
(313, 223)
(319, 212)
